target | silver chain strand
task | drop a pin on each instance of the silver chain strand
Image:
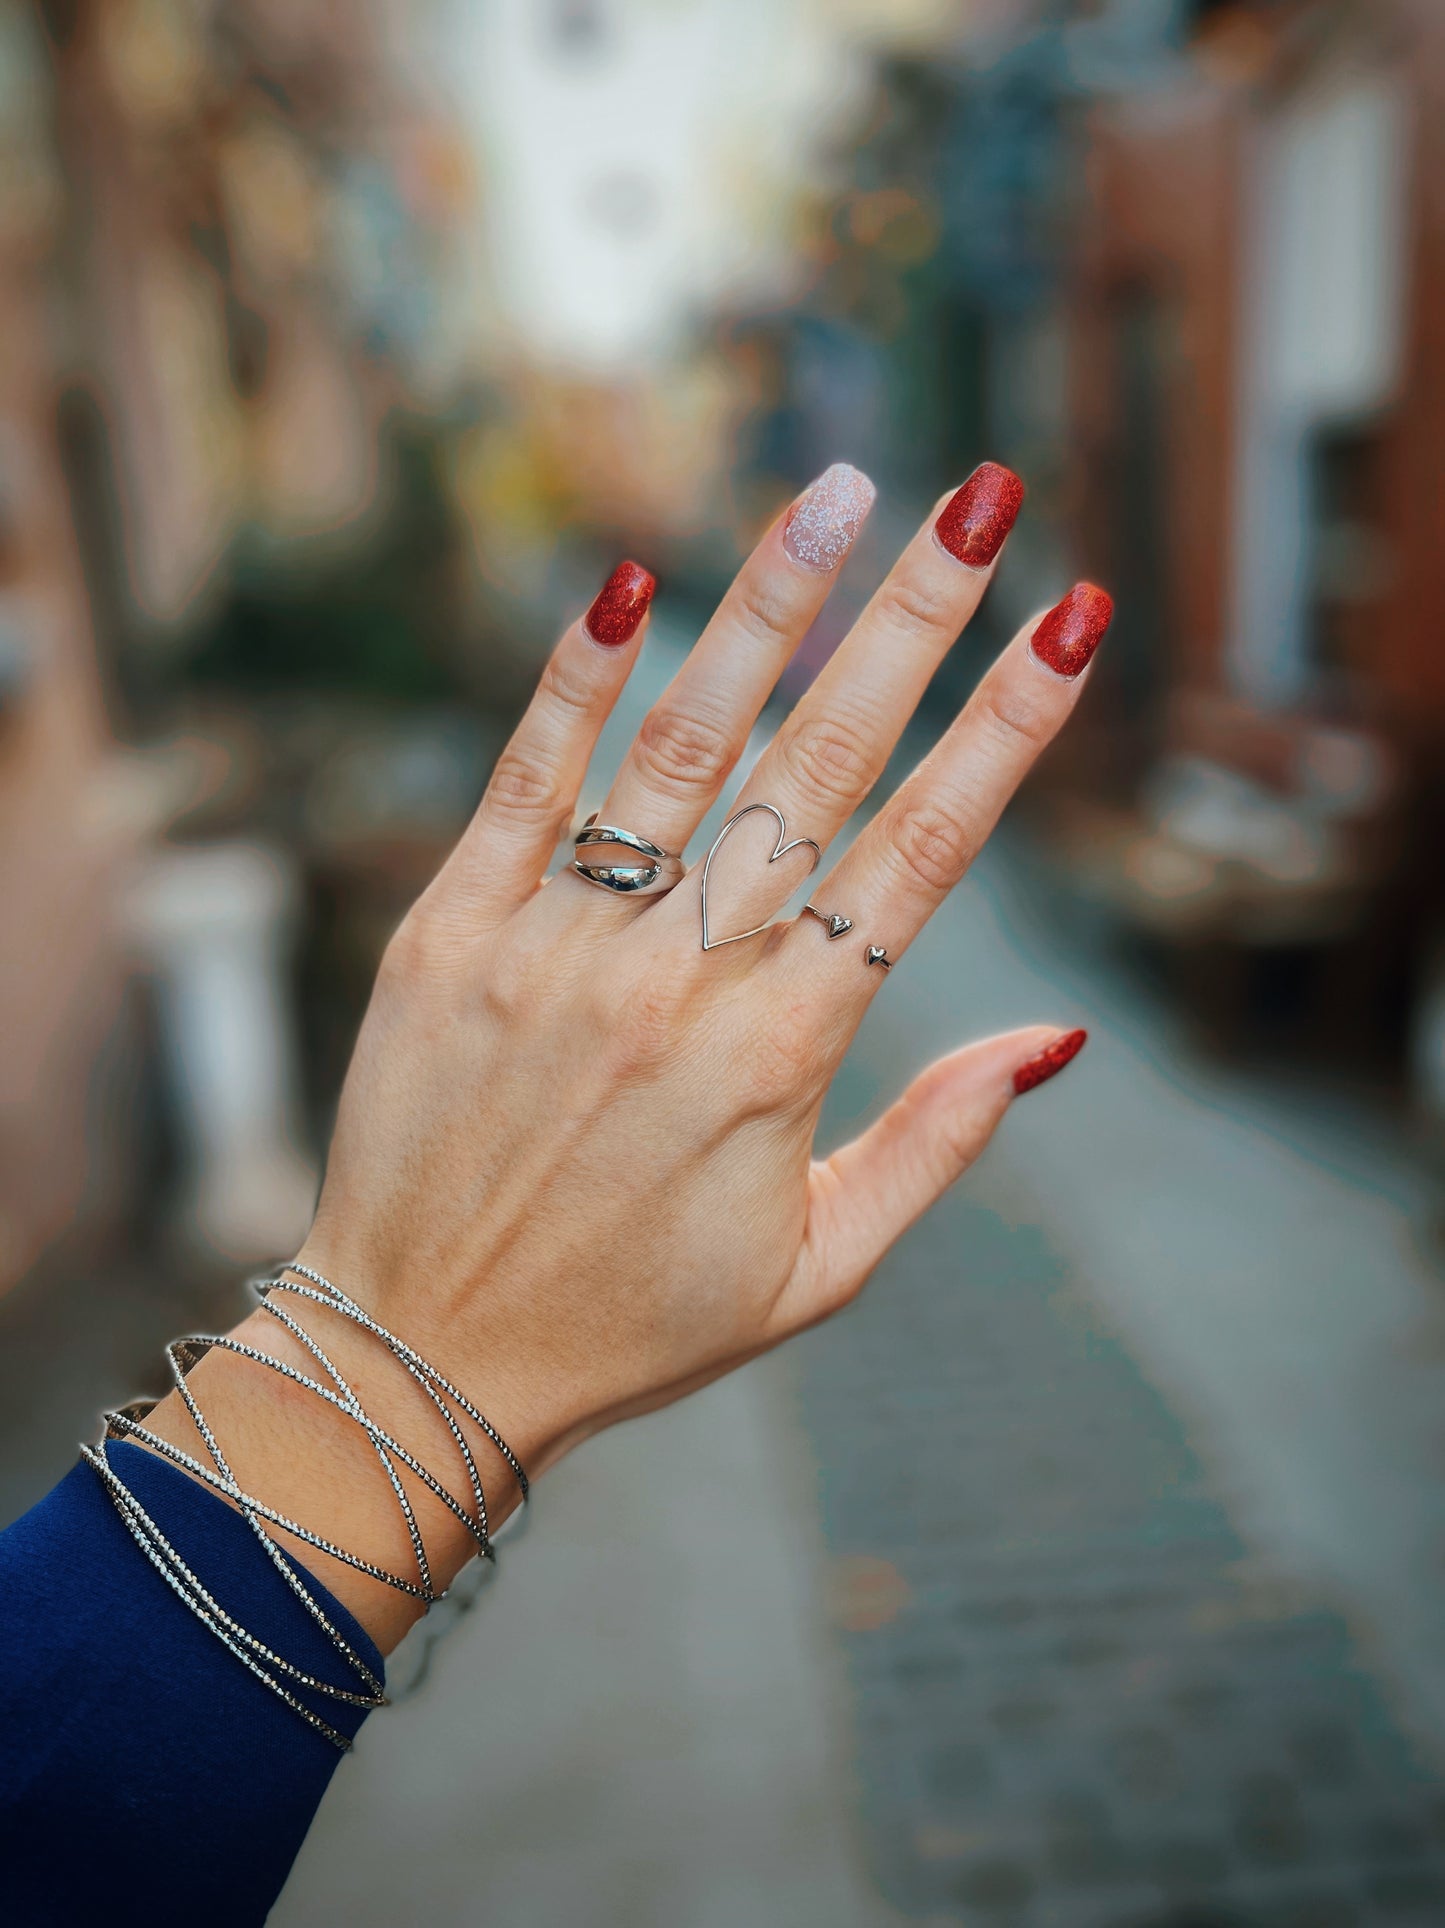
(183, 1355)
(404, 1352)
(178, 1576)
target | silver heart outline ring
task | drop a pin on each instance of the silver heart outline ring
(780, 849)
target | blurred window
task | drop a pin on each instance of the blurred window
(1146, 337)
(1323, 292)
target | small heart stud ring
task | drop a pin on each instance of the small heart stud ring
(837, 925)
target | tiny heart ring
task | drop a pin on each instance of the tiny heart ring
(837, 925)
(833, 923)
(780, 849)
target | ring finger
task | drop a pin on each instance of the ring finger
(923, 841)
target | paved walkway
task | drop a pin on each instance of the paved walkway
(1132, 1454)
(1082, 1699)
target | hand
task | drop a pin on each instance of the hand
(573, 1163)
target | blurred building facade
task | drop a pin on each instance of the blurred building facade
(296, 458)
(225, 234)
(59, 979)
(1256, 395)
(326, 389)
(1182, 267)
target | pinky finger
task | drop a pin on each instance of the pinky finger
(871, 1190)
(506, 848)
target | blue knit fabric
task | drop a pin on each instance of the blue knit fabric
(145, 1775)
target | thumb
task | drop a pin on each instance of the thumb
(870, 1191)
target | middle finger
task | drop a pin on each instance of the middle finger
(699, 726)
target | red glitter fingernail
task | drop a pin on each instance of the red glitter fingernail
(621, 606)
(1050, 1061)
(972, 524)
(1073, 629)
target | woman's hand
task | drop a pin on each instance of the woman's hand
(574, 1158)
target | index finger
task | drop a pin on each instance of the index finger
(693, 735)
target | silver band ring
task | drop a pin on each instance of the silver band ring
(837, 925)
(660, 873)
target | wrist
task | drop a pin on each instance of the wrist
(500, 1359)
(301, 1456)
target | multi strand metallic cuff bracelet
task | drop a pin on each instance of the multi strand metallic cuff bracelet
(270, 1667)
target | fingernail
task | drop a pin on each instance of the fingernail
(974, 521)
(1050, 1061)
(621, 606)
(823, 523)
(1073, 629)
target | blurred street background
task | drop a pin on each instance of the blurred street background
(1091, 1572)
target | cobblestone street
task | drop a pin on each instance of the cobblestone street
(1089, 1704)
(1130, 1465)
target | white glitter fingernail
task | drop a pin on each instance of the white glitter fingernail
(824, 523)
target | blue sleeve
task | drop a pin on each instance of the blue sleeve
(145, 1775)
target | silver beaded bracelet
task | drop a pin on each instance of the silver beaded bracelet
(127, 1422)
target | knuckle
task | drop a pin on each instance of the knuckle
(785, 1056)
(501, 993)
(649, 1028)
(1012, 721)
(844, 1292)
(523, 787)
(761, 612)
(563, 686)
(917, 610)
(512, 997)
(832, 758)
(416, 953)
(517, 985)
(933, 846)
(683, 750)
(404, 961)
(955, 1146)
